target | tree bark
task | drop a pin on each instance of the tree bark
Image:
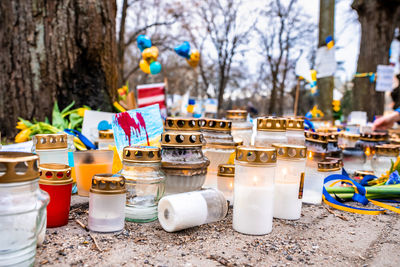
(61, 50)
(378, 21)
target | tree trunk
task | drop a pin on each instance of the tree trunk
(378, 21)
(55, 50)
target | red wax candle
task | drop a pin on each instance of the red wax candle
(56, 180)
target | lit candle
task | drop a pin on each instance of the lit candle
(185, 210)
(226, 173)
(289, 181)
(254, 190)
(270, 130)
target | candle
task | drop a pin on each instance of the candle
(225, 180)
(383, 159)
(211, 180)
(289, 181)
(107, 199)
(295, 131)
(270, 130)
(242, 130)
(106, 139)
(51, 148)
(254, 190)
(185, 210)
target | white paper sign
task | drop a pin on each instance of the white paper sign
(303, 68)
(325, 62)
(384, 79)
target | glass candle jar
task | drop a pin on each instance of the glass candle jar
(295, 131)
(368, 142)
(242, 130)
(56, 180)
(145, 182)
(185, 210)
(289, 179)
(314, 182)
(225, 179)
(353, 159)
(182, 124)
(316, 142)
(51, 148)
(253, 193)
(333, 149)
(270, 130)
(107, 200)
(22, 209)
(347, 140)
(89, 163)
(219, 142)
(183, 162)
(385, 156)
(106, 139)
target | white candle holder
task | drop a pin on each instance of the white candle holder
(253, 201)
(51, 148)
(295, 131)
(270, 130)
(225, 180)
(242, 130)
(106, 139)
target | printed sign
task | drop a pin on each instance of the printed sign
(384, 79)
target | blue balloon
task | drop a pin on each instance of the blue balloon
(104, 125)
(183, 50)
(143, 42)
(155, 67)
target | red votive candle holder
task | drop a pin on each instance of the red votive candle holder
(56, 180)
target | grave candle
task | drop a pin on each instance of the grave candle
(242, 130)
(254, 190)
(226, 173)
(51, 148)
(106, 139)
(295, 131)
(270, 130)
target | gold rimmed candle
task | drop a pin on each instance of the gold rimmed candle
(225, 180)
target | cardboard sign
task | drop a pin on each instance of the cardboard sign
(325, 62)
(384, 79)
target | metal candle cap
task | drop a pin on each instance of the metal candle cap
(182, 139)
(142, 154)
(227, 170)
(216, 125)
(236, 114)
(255, 155)
(287, 151)
(295, 124)
(271, 124)
(333, 137)
(17, 167)
(182, 124)
(55, 174)
(373, 137)
(316, 137)
(106, 134)
(108, 184)
(50, 141)
(387, 150)
(328, 166)
(349, 136)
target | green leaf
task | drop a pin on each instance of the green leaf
(75, 120)
(57, 119)
(27, 123)
(68, 108)
(46, 120)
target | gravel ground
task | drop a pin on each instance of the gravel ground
(319, 238)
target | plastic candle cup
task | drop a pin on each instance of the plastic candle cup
(107, 203)
(289, 181)
(106, 139)
(185, 210)
(51, 148)
(313, 185)
(183, 161)
(295, 131)
(219, 142)
(241, 128)
(385, 156)
(225, 180)
(87, 164)
(270, 130)
(56, 180)
(22, 209)
(145, 182)
(253, 195)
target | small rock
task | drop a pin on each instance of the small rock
(289, 258)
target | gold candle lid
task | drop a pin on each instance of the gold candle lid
(316, 137)
(349, 136)
(50, 141)
(373, 137)
(363, 173)
(227, 170)
(17, 167)
(255, 155)
(142, 154)
(271, 124)
(108, 184)
(328, 166)
(182, 139)
(216, 125)
(387, 150)
(55, 174)
(333, 137)
(287, 151)
(340, 161)
(235, 114)
(182, 124)
(295, 124)
(106, 134)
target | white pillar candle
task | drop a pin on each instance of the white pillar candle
(182, 211)
(288, 181)
(254, 190)
(225, 180)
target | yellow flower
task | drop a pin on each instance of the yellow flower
(81, 111)
(21, 125)
(23, 136)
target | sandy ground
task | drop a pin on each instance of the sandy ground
(318, 238)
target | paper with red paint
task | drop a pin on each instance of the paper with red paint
(142, 126)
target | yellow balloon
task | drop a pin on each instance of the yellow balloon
(144, 66)
(150, 54)
(192, 64)
(195, 55)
